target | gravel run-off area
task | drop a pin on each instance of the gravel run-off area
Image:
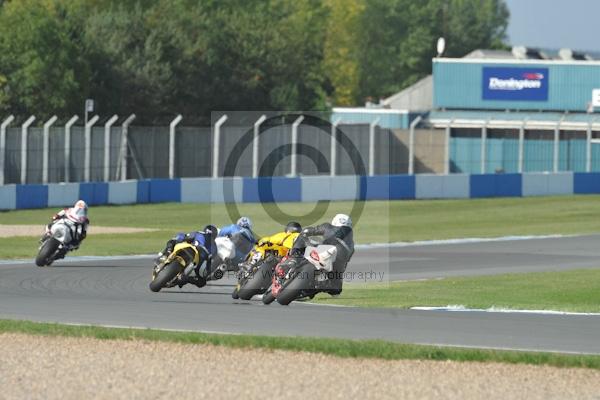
(40, 367)
(38, 230)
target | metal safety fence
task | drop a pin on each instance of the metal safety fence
(114, 149)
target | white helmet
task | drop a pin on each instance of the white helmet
(78, 212)
(245, 222)
(342, 220)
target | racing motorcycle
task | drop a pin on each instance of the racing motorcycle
(255, 275)
(183, 260)
(58, 241)
(305, 278)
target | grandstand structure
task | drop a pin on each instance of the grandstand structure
(525, 110)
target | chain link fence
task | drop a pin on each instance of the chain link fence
(146, 152)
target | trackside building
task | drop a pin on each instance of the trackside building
(512, 115)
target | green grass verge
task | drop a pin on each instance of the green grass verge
(380, 221)
(576, 291)
(336, 347)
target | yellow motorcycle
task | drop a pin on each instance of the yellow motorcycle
(167, 272)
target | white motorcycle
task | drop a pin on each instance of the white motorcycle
(58, 241)
(309, 276)
(222, 262)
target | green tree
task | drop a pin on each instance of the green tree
(342, 55)
(40, 61)
(398, 37)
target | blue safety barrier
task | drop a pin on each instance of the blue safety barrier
(94, 193)
(32, 196)
(306, 188)
(270, 190)
(496, 185)
(586, 183)
(387, 187)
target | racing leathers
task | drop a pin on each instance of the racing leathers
(242, 238)
(277, 245)
(203, 242)
(280, 243)
(78, 226)
(339, 236)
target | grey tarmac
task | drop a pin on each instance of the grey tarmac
(115, 292)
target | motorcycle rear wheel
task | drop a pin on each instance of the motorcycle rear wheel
(268, 297)
(165, 276)
(46, 252)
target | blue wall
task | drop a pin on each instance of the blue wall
(458, 84)
(311, 188)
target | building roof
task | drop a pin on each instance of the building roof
(417, 97)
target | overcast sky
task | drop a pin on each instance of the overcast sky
(555, 24)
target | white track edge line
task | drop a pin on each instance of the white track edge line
(459, 308)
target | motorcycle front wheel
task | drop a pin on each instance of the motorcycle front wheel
(165, 275)
(256, 283)
(46, 252)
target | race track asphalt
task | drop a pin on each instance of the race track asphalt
(115, 292)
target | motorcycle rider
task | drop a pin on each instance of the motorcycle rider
(279, 243)
(338, 233)
(77, 216)
(242, 237)
(204, 241)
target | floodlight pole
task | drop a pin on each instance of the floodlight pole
(46, 148)
(372, 127)
(484, 129)
(447, 152)
(172, 130)
(107, 128)
(294, 156)
(24, 134)
(67, 154)
(521, 145)
(3, 127)
(255, 145)
(88, 148)
(588, 149)
(333, 150)
(122, 163)
(216, 145)
(411, 145)
(556, 146)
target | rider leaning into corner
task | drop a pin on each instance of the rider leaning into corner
(280, 242)
(338, 233)
(242, 237)
(204, 241)
(240, 234)
(77, 216)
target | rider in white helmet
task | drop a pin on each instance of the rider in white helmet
(337, 233)
(78, 216)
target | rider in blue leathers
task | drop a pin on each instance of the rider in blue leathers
(204, 241)
(242, 237)
(240, 234)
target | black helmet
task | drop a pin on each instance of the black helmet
(293, 227)
(211, 230)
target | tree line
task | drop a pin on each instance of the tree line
(157, 58)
